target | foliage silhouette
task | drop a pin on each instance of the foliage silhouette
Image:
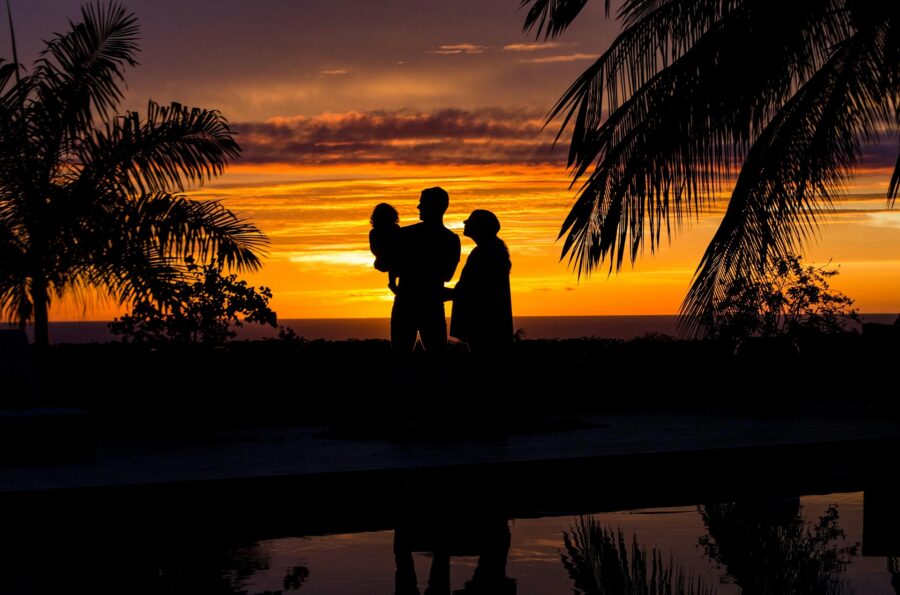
(599, 561)
(88, 198)
(695, 92)
(203, 308)
(770, 553)
(788, 299)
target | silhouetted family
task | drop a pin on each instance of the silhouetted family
(421, 258)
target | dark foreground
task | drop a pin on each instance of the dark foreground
(141, 392)
(176, 519)
(205, 451)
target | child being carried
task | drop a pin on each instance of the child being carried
(384, 240)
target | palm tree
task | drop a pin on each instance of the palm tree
(89, 198)
(599, 561)
(774, 101)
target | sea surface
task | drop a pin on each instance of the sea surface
(337, 329)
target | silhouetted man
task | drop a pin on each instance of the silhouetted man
(429, 254)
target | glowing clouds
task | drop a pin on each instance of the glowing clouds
(560, 58)
(445, 136)
(459, 48)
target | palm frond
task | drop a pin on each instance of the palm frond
(174, 146)
(80, 72)
(552, 17)
(668, 148)
(15, 305)
(790, 176)
(138, 275)
(176, 226)
(7, 72)
(894, 186)
(149, 238)
(600, 561)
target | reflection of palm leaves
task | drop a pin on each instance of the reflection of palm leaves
(894, 569)
(769, 552)
(600, 562)
(294, 579)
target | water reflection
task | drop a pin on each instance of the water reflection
(773, 547)
(102, 562)
(894, 569)
(446, 536)
(768, 548)
(601, 563)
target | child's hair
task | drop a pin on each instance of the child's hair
(384, 214)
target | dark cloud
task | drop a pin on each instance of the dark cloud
(446, 136)
(882, 152)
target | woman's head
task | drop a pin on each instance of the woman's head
(384, 214)
(481, 225)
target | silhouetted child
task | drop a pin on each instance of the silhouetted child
(384, 239)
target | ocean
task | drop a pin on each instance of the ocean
(336, 329)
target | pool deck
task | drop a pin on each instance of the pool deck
(302, 453)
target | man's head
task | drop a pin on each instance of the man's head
(433, 204)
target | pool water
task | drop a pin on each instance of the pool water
(808, 544)
(771, 546)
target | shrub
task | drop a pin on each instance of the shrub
(203, 307)
(789, 299)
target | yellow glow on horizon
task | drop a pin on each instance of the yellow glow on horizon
(319, 264)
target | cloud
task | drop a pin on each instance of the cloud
(353, 258)
(881, 153)
(560, 58)
(444, 136)
(890, 219)
(533, 46)
(335, 72)
(459, 48)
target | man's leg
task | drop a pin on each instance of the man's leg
(433, 328)
(403, 384)
(403, 328)
(405, 575)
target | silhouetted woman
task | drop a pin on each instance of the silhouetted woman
(482, 308)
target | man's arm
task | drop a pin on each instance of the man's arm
(452, 256)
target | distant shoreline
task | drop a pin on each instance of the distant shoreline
(339, 329)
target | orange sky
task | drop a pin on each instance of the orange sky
(335, 115)
(319, 265)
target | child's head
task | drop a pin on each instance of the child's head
(384, 214)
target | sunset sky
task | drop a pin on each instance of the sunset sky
(341, 104)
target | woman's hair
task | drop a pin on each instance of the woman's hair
(384, 214)
(485, 220)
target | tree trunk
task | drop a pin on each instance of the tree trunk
(40, 299)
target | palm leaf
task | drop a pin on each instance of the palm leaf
(174, 146)
(692, 87)
(7, 72)
(791, 175)
(552, 17)
(667, 149)
(894, 186)
(599, 561)
(80, 72)
(176, 227)
(14, 299)
(149, 238)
